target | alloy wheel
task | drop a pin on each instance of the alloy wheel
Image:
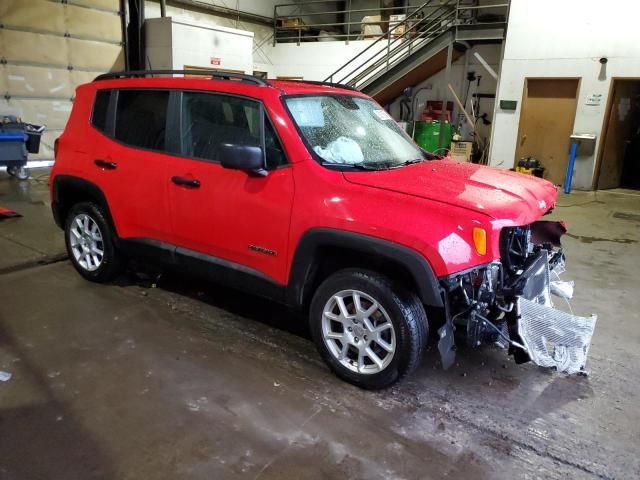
(358, 332)
(86, 242)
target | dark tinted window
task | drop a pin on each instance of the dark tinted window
(275, 152)
(209, 120)
(141, 118)
(100, 109)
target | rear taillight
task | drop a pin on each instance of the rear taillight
(55, 148)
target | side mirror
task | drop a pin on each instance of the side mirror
(248, 158)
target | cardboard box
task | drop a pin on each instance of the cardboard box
(395, 20)
(371, 26)
(292, 23)
(461, 151)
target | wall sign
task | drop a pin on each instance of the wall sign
(508, 104)
(215, 61)
(594, 99)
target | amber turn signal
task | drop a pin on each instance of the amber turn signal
(480, 240)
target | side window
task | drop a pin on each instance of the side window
(100, 109)
(275, 152)
(141, 117)
(209, 120)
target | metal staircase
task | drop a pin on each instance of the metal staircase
(427, 41)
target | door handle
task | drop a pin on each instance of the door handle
(186, 182)
(105, 164)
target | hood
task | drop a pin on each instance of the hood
(500, 194)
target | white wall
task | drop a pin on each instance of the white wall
(550, 38)
(262, 33)
(313, 60)
(195, 45)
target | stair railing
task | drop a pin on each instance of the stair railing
(398, 44)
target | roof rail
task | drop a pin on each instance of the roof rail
(213, 75)
(326, 84)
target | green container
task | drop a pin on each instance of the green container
(427, 135)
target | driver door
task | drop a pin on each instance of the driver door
(229, 215)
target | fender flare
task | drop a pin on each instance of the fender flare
(86, 188)
(428, 286)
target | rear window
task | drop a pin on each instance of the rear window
(141, 118)
(100, 110)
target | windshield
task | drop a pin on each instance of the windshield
(352, 131)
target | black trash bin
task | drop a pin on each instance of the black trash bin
(34, 134)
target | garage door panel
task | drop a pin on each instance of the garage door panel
(46, 145)
(34, 14)
(110, 5)
(86, 22)
(37, 81)
(34, 47)
(43, 67)
(95, 55)
(3, 79)
(52, 113)
(79, 77)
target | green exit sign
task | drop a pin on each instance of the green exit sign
(508, 104)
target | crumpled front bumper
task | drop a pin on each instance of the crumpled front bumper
(553, 338)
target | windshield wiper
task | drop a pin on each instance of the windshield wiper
(354, 166)
(411, 162)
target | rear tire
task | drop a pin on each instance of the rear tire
(369, 331)
(91, 245)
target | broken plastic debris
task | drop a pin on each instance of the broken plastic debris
(554, 338)
(562, 289)
(4, 376)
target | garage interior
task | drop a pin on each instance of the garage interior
(158, 375)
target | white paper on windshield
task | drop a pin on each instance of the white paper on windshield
(382, 115)
(307, 112)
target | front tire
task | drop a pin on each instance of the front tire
(369, 331)
(90, 242)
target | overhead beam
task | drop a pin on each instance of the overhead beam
(223, 11)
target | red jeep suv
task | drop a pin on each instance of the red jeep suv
(311, 195)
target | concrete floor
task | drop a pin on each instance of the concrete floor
(178, 379)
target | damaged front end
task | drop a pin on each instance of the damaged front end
(508, 303)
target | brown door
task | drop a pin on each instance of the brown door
(546, 123)
(617, 132)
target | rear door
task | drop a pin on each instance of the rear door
(232, 215)
(130, 162)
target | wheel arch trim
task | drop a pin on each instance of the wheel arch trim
(62, 183)
(301, 272)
